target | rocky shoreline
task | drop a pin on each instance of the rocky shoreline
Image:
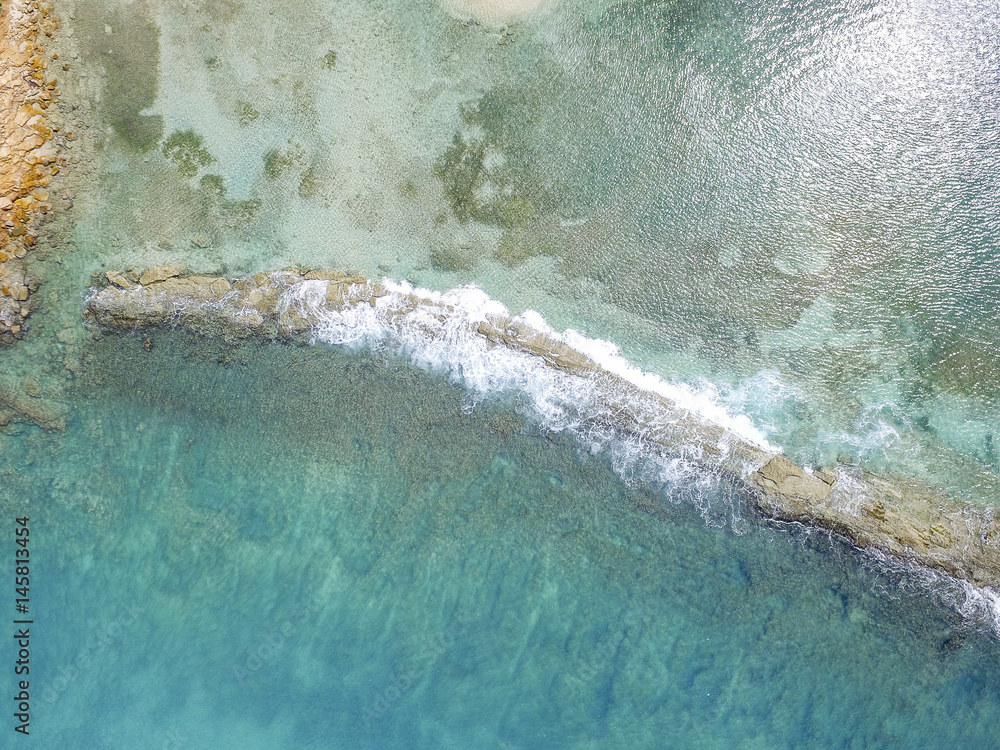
(904, 519)
(29, 156)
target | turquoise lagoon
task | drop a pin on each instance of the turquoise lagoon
(790, 209)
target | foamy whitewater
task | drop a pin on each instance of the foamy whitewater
(440, 335)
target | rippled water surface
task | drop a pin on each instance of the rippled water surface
(789, 207)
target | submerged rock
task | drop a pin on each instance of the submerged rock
(30, 407)
(904, 519)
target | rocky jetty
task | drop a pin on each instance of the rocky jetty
(904, 519)
(29, 156)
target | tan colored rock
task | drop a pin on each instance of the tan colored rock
(50, 415)
(336, 276)
(251, 320)
(160, 273)
(781, 476)
(114, 277)
(516, 335)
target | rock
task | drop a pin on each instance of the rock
(827, 475)
(160, 273)
(47, 414)
(335, 276)
(220, 287)
(781, 476)
(147, 344)
(6, 204)
(118, 280)
(251, 320)
(32, 387)
(201, 240)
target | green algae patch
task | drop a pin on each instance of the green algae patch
(278, 161)
(486, 171)
(408, 190)
(237, 214)
(130, 54)
(519, 247)
(310, 185)
(453, 259)
(213, 186)
(330, 60)
(185, 149)
(246, 113)
(966, 366)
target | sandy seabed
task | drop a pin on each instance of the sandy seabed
(495, 11)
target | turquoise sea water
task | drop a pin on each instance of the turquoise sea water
(789, 208)
(350, 560)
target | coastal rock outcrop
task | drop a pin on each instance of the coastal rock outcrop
(900, 518)
(28, 155)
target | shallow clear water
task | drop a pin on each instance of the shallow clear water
(790, 207)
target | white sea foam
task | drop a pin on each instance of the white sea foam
(978, 606)
(473, 305)
(440, 335)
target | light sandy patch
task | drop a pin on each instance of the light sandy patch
(495, 11)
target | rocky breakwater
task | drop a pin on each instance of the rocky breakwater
(898, 518)
(29, 155)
